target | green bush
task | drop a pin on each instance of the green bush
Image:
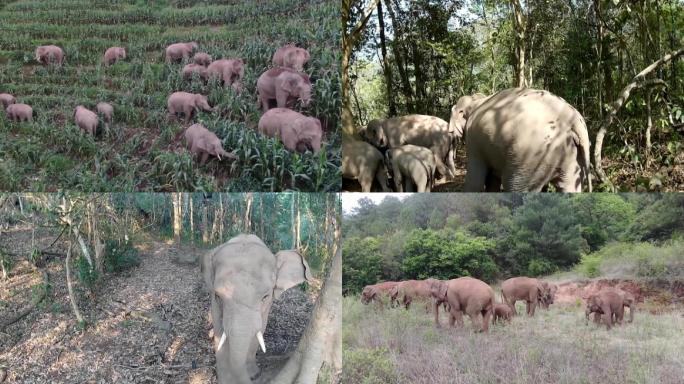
(120, 255)
(368, 366)
(86, 275)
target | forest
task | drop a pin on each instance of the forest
(88, 278)
(497, 237)
(616, 62)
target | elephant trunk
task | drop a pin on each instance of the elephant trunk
(632, 308)
(241, 330)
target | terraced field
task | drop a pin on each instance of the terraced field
(144, 149)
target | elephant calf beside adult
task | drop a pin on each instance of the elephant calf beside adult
(465, 294)
(413, 168)
(523, 140)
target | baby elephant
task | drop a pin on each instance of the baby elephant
(113, 54)
(296, 131)
(363, 162)
(290, 56)
(285, 86)
(228, 71)
(19, 112)
(202, 142)
(191, 68)
(202, 58)
(502, 312)
(47, 54)
(180, 51)
(107, 111)
(86, 119)
(187, 103)
(412, 165)
(6, 99)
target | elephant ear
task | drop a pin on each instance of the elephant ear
(207, 268)
(442, 289)
(292, 270)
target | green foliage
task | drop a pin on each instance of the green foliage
(87, 275)
(120, 255)
(362, 263)
(368, 366)
(636, 260)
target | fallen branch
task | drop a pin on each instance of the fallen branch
(72, 298)
(21, 314)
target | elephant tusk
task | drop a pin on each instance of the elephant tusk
(260, 337)
(223, 340)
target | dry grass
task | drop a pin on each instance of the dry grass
(556, 346)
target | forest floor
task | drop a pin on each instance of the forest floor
(149, 324)
(554, 346)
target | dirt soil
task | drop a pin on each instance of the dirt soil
(147, 325)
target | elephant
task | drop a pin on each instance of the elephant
(180, 51)
(285, 86)
(550, 290)
(607, 302)
(228, 71)
(405, 292)
(187, 103)
(532, 291)
(47, 54)
(522, 140)
(114, 54)
(203, 142)
(7, 99)
(502, 312)
(628, 301)
(413, 165)
(107, 111)
(375, 292)
(297, 132)
(19, 112)
(425, 131)
(363, 162)
(192, 68)
(202, 58)
(86, 119)
(243, 278)
(464, 294)
(290, 56)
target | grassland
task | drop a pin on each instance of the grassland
(144, 149)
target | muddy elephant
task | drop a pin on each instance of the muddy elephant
(409, 291)
(522, 140)
(201, 58)
(413, 167)
(187, 103)
(19, 112)
(285, 86)
(425, 131)
(203, 142)
(114, 54)
(502, 313)
(107, 112)
(6, 99)
(628, 301)
(47, 54)
(190, 69)
(180, 51)
(228, 71)
(297, 132)
(609, 303)
(464, 295)
(290, 56)
(530, 290)
(86, 119)
(243, 278)
(363, 162)
(377, 292)
(549, 295)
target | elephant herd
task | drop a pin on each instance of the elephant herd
(518, 140)
(283, 84)
(475, 298)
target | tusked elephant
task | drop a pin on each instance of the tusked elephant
(285, 86)
(376, 292)
(412, 166)
(187, 103)
(243, 278)
(530, 290)
(523, 140)
(464, 294)
(47, 54)
(297, 132)
(363, 162)
(203, 142)
(6, 99)
(425, 131)
(609, 303)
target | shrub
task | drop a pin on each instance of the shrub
(120, 255)
(368, 366)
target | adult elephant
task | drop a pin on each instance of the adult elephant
(607, 302)
(425, 131)
(465, 294)
(628, 301)
(375, 292)
(530, 290)
(523, 140)
(363, 162)
(549, 296)
(410, 290)
(243, 278)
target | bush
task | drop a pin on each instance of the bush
(86, 275)
(120, 255)
(368, 366)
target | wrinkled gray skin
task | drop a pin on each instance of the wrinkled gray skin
(290, 56)
(47, 54)
(203, 142)
(180, 51)
(607, 302)
(243, 278)
(192, 68)
(297, 132)
(285, 86)
(363, 162)
(202, 58)
(187, 103)
(6, 99)
(530, 290)
(422, 130)
(86, 119)
(107, 111)
(19, 112)
(522, 140)
(228, 71)
(413, 166)
(114, 54)
(464, 295)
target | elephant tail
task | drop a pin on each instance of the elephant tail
(579, 129)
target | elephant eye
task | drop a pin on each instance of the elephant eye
(265, 297)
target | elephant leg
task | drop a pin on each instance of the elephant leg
(366, 184)
(487, 318)
(607, 316)
(281, 99)
(597, 317)
(216, 320)
(532, 307)
(475, 319)
(492, 182)
(205, 156)
(435, 309)
(476, 174)
(441, 167)
(408, 185)
(450, 160)
(381, 176)
(570, 179)
(421, 182)
(407, 301)
(397, 176)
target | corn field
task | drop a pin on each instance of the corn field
(144, 150)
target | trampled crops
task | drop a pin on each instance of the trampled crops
(144, 149)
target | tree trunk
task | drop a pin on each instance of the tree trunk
(72, 298)
(192, 220)
(292, 222)
(519, 25)
(248, 209)
(177, 216)
(205, 221)
(261, 216)
(298, 243)
(386, 66)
